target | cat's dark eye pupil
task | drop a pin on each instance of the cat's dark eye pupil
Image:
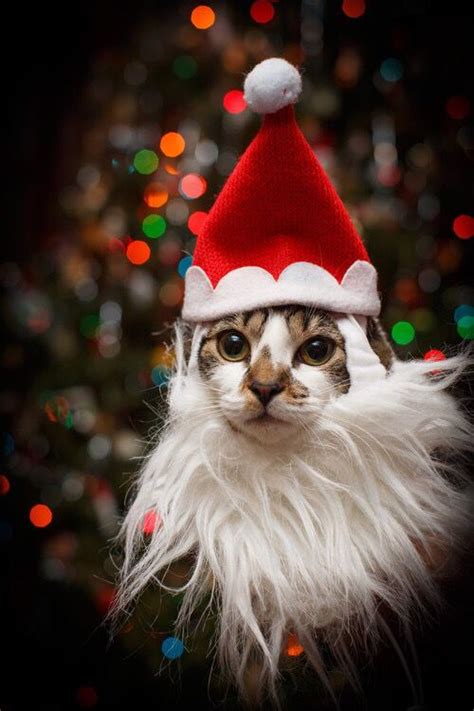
(233, 344)
(317, 349)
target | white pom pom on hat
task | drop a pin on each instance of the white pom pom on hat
(272, 85)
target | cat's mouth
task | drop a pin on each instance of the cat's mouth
(265, 418)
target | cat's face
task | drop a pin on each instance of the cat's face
(268, 369)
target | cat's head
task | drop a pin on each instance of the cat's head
(269, 369)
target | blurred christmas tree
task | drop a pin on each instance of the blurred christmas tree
(159, 126)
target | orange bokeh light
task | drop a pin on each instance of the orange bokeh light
(203, 17)
(138, 252)
(171, 169)
(41, 515)
(172, 144)
(156, 195)
(353, 8)
(293, 647)
(193, 186)
(4, 485)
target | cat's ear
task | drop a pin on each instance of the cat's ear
(379, 342)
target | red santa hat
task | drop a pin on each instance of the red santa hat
(278, 232)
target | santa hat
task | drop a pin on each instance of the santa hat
(278, 232)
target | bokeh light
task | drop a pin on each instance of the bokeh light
(145, 161)
(172, 647)
(57, 408)
(465, 327)
(154, 226)
(171, 293)
(206, 152)
(262, 11)
(234, 101)
(463, 310)
(463, 226)
(160, 376)
(138, 252)
(196, 221)
(41, 515)
(4, 485)
(185, 66)
(86, 697)
(89, 325)
(434, 354)
(458, 107)
(184, 265)
(8, 444)
(172, 144)
(151, 521)
(203, 17)
(192, 186)
(403, 333)
(391, 69)
(293, 647)
(353, 8)
(155, 195)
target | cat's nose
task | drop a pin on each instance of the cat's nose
(265, 391)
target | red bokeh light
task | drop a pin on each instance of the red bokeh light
(353, 8)
(463, 226)
(151, 520)
(4, 485)
(434, 354)
(196, 221)
(41, 515)
(262, 11)
(458, 107)
(138, 252)
(86, 697)
(234, 101)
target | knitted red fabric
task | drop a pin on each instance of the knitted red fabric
(276, 208)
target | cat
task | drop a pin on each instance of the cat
(305, 505)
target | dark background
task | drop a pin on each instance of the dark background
(57, 652)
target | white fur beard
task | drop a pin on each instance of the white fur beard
(311, 539)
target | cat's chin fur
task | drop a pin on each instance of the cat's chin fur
(310, 537)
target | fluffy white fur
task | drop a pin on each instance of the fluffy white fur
(311, 536)
(271, 85)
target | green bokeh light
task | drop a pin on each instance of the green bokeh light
(466, 327)
(185, 66)
(145, 161)
(154, 226)
(89, 325)
(403, 333)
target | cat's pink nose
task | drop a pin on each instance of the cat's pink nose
(265, 391)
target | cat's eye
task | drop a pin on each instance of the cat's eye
(232, 345)
(316, 351)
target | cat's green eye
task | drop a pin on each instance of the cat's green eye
(316, 351)
(232, 345)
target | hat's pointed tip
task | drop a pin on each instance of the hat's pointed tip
(272, 85)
